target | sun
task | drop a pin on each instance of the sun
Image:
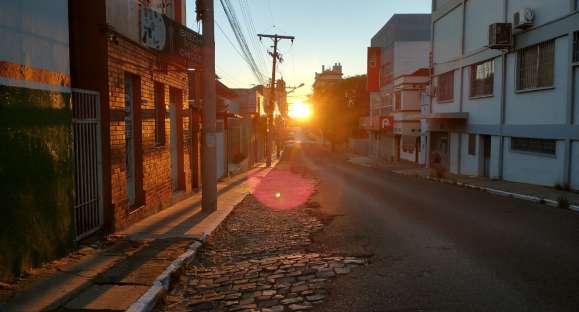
(300, 110)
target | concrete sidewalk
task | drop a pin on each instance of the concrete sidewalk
(115, 278)
(535, 193)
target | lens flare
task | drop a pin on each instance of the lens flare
(281, 189)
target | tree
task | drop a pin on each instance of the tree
(339, 105)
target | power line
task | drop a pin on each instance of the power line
(241, 40)
(250, 28)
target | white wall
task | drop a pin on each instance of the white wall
(35, 33)
(476, 30)
(483, 111)
(447, 36)
(533, 168)
(410, 56)
(447, 107)
(454, 152)
(469, 163)
(539, 107)
(123, 16)
(440, 3)
(545, 10)
(575, 165)
(495, 171)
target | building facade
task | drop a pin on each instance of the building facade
(507, 114)
(403, 46)
(141, 59)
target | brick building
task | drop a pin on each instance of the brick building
(139, 56)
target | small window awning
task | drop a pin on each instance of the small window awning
(454, 115)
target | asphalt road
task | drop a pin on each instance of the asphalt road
(437, 247)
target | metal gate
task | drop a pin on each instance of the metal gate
(88, 205)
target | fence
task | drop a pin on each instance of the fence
(88, 205)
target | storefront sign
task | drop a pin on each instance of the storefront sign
(164, 34)
(374, 69)
(387, 123)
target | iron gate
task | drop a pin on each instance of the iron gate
(88, 205)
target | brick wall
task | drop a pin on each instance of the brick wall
(128, 57)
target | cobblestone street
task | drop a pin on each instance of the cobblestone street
(258, 260)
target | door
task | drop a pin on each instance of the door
(129, 139)
(177, 162)
(486, 155)
(440, 148)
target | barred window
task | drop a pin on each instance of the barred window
(160, 114)
(472, 144)
(540, 146)
(446, 86)
(576, 46)
(482, 77)
(536, 66)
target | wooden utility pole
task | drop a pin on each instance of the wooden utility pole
(271, 107)
(209, 164)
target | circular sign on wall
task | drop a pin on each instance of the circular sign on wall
(153, 30)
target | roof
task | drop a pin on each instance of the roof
(403, 27)
(224, 91)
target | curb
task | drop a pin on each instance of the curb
(162, 284)
(530, 198)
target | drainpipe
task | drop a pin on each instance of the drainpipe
(570, 109)
(503, 103)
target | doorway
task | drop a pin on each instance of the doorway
(133, 156)
(441, 148)
(176, 139)
(486, 155)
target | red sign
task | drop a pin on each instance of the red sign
(387, 123)
(374, 69)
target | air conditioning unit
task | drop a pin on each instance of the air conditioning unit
(523, 19)
(501, 36)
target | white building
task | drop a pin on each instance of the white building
(404, 44)
(508, 114)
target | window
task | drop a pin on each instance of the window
(576, 47)
(482, 78)
(160, 114)
(540, 146)
(446, 86)
(398, 101)
(472, 144)
(536, 66)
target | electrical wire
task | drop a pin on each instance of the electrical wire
(241, 40)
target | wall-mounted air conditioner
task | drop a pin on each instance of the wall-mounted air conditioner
(524, 18)
(501, 36)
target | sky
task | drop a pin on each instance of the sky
(326, 31)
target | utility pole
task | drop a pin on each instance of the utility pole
(209, 165)
(268, 144)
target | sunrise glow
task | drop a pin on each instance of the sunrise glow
(300, 110)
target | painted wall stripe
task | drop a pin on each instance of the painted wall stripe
(27, 73)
